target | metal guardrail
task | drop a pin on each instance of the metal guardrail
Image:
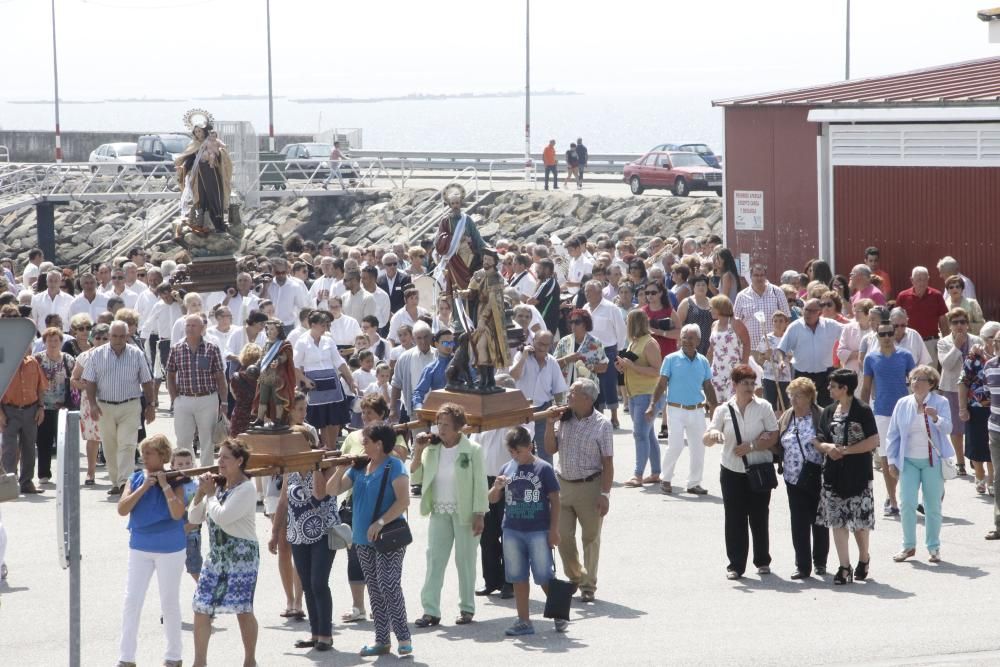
(609, 163)
(512, 166)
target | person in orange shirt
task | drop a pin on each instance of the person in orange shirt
(549, 159)
(871, 259)
(20, 416)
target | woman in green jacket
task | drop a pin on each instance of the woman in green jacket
(455, 496)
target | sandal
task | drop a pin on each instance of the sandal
(652, 479)
(904, 554)
(464, 618)
(633, 483)
(426, 621)
(288, 613)
(376, 649)
(354, 616)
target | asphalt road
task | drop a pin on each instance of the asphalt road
(662, 597)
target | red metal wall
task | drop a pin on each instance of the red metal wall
(917, 215)
(773, 150)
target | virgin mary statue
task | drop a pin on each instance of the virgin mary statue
(205, 171)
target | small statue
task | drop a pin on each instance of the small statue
(276, 384)
(489, 340)
(459, 371)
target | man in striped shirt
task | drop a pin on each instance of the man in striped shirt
(116, 374)
(991, 373)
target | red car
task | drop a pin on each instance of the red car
(675, 171)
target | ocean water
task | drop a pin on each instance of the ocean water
(607, 123)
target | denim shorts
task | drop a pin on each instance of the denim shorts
(193, 560)
(522, 551)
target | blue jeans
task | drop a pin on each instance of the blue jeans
(647, 447)
(527, 550)
(313, 563)
(917, 473)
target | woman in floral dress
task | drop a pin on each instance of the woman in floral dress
(57, 367)
(229, 575)
(729, 346)
(88, 424)
(974, 408)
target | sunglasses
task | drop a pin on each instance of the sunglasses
(826, 304)
(651, 292)
(141, 275)
(885, 334)
(81, 327)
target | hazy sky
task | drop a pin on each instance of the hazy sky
(136, 48)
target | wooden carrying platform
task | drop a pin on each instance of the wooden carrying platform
(289, 451)
(210, 274)
(483, 412)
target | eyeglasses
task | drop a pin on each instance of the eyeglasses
(922, 379)
(652, 292)
(748, 382)
(118, 277)
(81, 327)
(826, 304)
(885, 334)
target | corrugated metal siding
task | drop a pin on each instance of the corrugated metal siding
(773, 150)
(917, 215)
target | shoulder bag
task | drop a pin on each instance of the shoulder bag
(396, 534)
(948, 469)
(72, 399)
(762, 476)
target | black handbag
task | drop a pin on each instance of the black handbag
(559, 597)
(761, 476)
(394, 535)
(811, 476)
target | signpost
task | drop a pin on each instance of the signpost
(68, 520)
(748, 210)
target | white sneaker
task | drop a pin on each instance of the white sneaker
(561, 625)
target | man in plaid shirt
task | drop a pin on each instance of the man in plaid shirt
(196, 381)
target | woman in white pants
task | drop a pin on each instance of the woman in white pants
(157, 543)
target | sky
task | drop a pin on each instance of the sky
(722, 48)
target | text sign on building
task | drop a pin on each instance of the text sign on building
(748, 210)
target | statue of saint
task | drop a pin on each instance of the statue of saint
(457, 242)
(276, 384)
(205, 172)
(489, 340)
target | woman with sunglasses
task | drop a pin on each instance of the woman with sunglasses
(88, 423)
(580, 354)
(954, 297)
(848, 348)
(662, 326)
(917, 441)
(79, 328)
(697, 309)
(953, 349)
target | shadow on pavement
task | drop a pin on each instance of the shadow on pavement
(967, 571)
(779, 585)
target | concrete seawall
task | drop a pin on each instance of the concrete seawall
(40, 145)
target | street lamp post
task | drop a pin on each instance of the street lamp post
(847, 45)
(55, 76)
(527, 90)
(270, 95)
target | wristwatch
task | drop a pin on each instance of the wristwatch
(381, 522)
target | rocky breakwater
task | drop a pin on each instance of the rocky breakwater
(385, 217)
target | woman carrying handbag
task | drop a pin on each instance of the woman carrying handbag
(918, 454)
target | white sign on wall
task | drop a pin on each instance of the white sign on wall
(748, 210)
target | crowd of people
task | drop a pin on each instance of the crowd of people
(831, 377)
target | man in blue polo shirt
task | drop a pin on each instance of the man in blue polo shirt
(689, 377)
(889, 367)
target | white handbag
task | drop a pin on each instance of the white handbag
(9, 488)
(340, 536)
(948, 469)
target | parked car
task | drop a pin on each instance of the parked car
(703, 150)
(112, 154)
(160, 148)
(678, 171)
(307, 160)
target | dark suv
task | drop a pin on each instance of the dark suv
(160, 148)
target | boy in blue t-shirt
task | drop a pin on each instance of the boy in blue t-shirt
(183, 459)
(530, 524)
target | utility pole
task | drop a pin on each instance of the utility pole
(270, 94)
(55, 76)
(527, 91)
(847, 46)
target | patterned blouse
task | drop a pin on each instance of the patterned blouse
(592, 351)
(799, 431)
(308, 519)
(58, 374)
(974, 378)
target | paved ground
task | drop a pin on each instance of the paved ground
(662, 597)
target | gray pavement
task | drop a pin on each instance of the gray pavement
(662, 596)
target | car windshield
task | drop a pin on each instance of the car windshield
(687, 160)
(317, 150)
(698, 148)
(125, 149)
(174, 144)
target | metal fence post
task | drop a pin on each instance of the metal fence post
(68, 495)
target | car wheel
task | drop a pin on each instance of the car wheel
(718, 191)
(681, 187)
(635, 186)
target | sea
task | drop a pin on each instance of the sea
(608, 123)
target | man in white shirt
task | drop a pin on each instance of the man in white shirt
(132, 281)
(383, 308)
(609, 328)
(288, 294)
(241, 300)
(331, 283)
(579, 266)
(407, 315)
(31, 270)
(89, 301)
(157, 326)
(538, 376)
(52, 300)
(149, 297)
(407, 373)
(522, 280)
(104, 278)
(118, 289)
(357, 302)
